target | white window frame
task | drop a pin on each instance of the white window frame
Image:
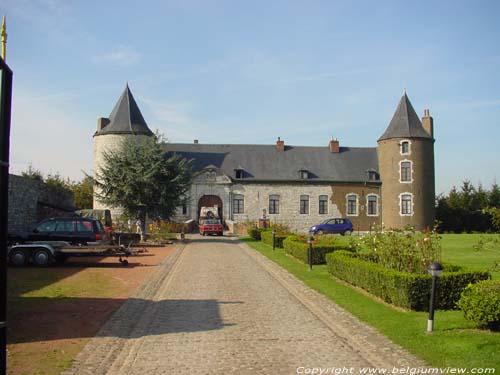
(401, 147)
(411, 171)
(347, 204)
(412, 204)
(376, 205)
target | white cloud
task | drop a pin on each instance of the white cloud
(121, 55)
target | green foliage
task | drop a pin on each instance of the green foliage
(480, 303)
(34, 174)
(84, 193)
(266, 236)
(494, 214)
(404, 289)
(298, 247)
(163, 230)
(467, 210)
(142, 180)
(255, 233)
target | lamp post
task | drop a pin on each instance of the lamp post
(435, 269)
(309, 252)
(274, 239)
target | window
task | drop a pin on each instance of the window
(65, 226)
(274, 204)
(304, 204)
(48, 226)
(84, 226)
(372, 204)
(303, 174)
(323, 204)
(238, 204)
(184, 209)
(405, 173)
(372, 175)
(406, 204)
(405, 148)
(240, 173)
(352, 205)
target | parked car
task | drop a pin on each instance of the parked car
(74, 230)
(333, 225)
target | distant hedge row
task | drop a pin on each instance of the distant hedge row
(403, 289)
(299, 249)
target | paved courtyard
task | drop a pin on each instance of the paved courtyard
(215, 306)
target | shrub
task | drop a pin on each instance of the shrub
(266, 236)
(481, 303)
(298, 247)
(254, 233)
(408, 290)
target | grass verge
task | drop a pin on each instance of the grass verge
(454, 343)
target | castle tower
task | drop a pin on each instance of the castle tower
(406, 166)
(125, 121)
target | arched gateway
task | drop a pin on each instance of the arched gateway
(210, 201)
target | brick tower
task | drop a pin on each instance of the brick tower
(124, 122)
(406, 165)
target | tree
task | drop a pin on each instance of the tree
(32, 173)
(83, 192)
(143, 180)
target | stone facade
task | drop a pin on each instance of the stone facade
(31, 201)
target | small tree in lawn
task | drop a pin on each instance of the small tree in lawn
(142, 180)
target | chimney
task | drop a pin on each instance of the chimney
(195, 142)
(102, 122)
(334, 145)
(280, 145)
(428, 122)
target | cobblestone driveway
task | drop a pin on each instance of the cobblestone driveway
(218, 307)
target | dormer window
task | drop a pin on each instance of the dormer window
(239, 173)
(372, 175)
(405, 147)
(303, 174)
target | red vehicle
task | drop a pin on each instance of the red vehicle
(211, 226)
(210, 222)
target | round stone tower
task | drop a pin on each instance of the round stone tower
(124, 122)
(406, 166)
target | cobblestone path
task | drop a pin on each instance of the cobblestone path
(215, 306)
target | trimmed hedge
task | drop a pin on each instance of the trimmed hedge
(403, 289)
(298, 249)
(254, 233)
(480, 303)
(267, 237)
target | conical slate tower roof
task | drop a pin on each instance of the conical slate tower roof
(126, 118)
(405, 122)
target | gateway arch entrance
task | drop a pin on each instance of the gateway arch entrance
(210, 201)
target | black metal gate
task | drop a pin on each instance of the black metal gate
(5, 108)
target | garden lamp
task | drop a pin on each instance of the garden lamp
(274, 238)
(309, 252)
(435, 269)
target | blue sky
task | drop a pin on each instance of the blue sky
(250, 71)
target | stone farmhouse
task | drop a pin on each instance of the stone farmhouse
(299, 186)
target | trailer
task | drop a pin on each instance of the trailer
(44, 253)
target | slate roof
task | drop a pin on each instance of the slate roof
(405, 123)
(126, 117)
(266, 163)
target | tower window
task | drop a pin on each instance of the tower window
(323, 204)
(405, 148)
(406, 204)
(274, 204)
(303, 174)
(304, 204)
(405, 171)
(372, 175)
(238, 204)
(352, 204)
(239, 173)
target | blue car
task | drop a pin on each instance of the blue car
(337, 226)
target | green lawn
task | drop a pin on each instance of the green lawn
(459, 249)
(454, 343)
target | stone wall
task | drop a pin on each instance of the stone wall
(31, 201)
